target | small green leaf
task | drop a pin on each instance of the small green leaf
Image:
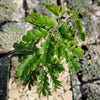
(28, 19)
(42, 71)
(44, 92)
(73, 13)
(41, 77)
(47, 89)
(53, 9)
(59, 67)
(29, 86)
(82, 36)
(37, 33)
(40, 83)
(57, 82)
(46, 82)
(56, 73)
(43, 31)
(45, 19)
(74, 41)
(69, 65)
(40, 88)
(33, 66)
(72, 48)
(18, 46)
(52, 21)
(63, 11)
(19, 73)
(29, 37)
(78, 25)
(75, 69)
(45, 44)
(62, 28)
(42, 50)
(65, 35)
(78, 51)
(25, 83)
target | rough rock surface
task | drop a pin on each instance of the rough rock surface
(19, 92)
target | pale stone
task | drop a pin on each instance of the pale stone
(30, 98)
(33, 97)
(14, 86)
(60, 91)
(67, 95)
(32, 4)
(25, 88)
(10, 99)
(55, 95)
(50, 98)
(21, 89)
(9, 85)
(44, 98)
(64, 81)
(65, 87)
(24, 97)
(97, 14)
(34, 89)
(59, 98)
(29, 92)
(19, 12)
(14, 94)
(19, 2)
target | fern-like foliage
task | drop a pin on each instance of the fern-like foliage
(43, 84)
(58, 43)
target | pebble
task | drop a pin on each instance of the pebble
(14, 94)
(14, 86)
(33, 97)
(24, 97)
(97, 14)
(67, 95)
(50, 98)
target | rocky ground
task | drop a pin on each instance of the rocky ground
(18, 92)
(22, 92)
(87, 82)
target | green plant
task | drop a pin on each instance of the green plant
(58, 44)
